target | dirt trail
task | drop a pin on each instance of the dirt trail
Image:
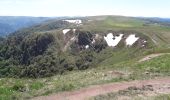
(85, 93)
(151, 56)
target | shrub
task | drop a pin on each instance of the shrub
(36, 85)
(19, 87)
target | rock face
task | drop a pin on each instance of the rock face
(82, 40)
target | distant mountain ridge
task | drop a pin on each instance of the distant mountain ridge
(9, 24)
(162, 21)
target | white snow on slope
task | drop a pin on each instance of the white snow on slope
(93, 41)
(87, 46)
(77, 21)
(74, 30)
(66, 31)
(131, 39)
(113, 40)
(73, 38)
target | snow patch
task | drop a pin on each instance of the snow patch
(143, 46)
(145, 41)
(113, 40)
(73, 38)
(66, 31)
(131, 39)
(74, 30)
(77, 21)
(87, 46)
(93, 41)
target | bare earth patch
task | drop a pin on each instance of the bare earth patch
(154, 86)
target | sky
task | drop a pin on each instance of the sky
(54, 8)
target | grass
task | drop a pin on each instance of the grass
(162, 97)
(27, 88)
(157, 67)
(117, 23)
(6, 93)
(44, 86)
(123, 61)
(11, 88)
(36, 85)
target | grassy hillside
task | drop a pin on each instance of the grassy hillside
(13, 88)
(154, 29)
(43, 50)
(40, 60)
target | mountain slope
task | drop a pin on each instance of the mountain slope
(71, 53)
(69, 44)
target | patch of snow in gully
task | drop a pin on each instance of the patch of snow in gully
(131, 39)
(87, 46)
(77, 21)
(74, 30)
(73, 38)
(113, 40)
(93, 41)
(66, 31)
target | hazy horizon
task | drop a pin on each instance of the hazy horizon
(58, 8)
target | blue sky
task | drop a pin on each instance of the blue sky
(146, 8)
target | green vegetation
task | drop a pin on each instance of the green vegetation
(162, 97)
(40, 54)
(116, 72)
(40, 60)
(157, 65)
(36, 85)
(44, 86)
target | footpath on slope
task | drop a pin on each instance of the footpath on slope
(163, 84)
(91, 91)
(151, 56)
